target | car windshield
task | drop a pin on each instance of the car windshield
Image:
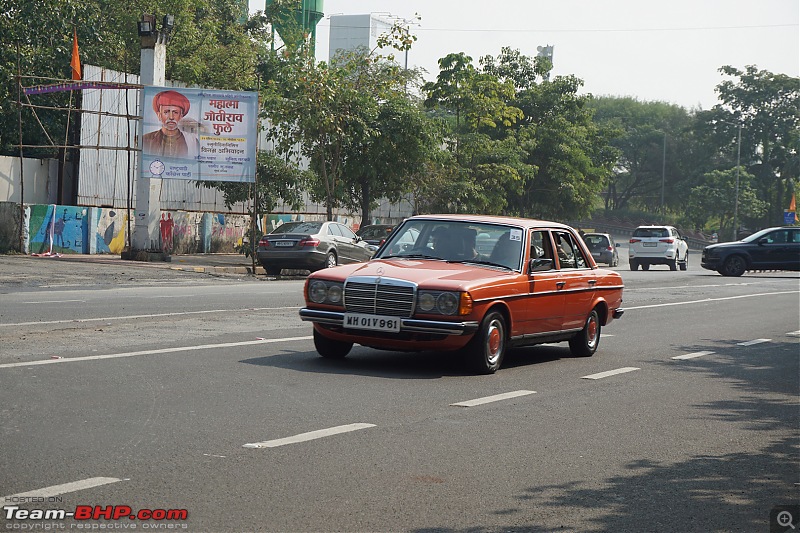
(651, 232)
(757, 235)
(374, 232)
(596, 242)
(459, 241)
(309, 228)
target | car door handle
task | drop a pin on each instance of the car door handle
(560, 284)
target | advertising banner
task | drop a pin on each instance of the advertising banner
(199, 134)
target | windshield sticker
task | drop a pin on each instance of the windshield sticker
(516, 235)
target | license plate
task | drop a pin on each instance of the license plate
(595, 255)
(284, 244)
(372, 322)
(649, 244)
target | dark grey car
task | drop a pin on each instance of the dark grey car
(310, 246)
(603, 248)
(769, 249)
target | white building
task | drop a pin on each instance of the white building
(348, 32)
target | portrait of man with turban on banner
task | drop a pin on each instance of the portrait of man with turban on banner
(169, 140)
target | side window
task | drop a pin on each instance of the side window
(569, 253)
(333, 229)
(795, 235)
(346, 232)
(540, 245)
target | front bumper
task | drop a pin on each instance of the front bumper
(407, 325)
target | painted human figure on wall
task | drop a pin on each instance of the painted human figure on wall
(167, 226)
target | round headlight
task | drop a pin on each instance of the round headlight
(426, 302)
(317, 291)
(335, 294)
(447, 303)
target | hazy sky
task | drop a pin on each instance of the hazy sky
(668, 51)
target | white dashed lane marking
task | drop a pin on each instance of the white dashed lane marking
(55, 490)
(754, 341)
(692, 355)
(608, 373)
(794, 334)
(311, 435)
(495, 398)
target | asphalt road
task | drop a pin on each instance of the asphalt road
(162, 389)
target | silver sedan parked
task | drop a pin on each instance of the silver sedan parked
(310, 246)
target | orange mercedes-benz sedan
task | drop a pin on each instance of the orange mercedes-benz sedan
(474, 283)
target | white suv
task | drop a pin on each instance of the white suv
(658, 245)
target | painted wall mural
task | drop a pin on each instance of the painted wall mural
(58, 229)
(110, 232)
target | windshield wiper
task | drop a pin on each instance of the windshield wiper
(481, 262)
(410, 256)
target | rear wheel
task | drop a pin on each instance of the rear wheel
(585, 342)
(330, 348)
(734, 266)
(486, 349)
(673, 265)
(271, 270)
(685, 263)
(634, 264)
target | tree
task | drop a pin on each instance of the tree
(715, 199)
(765, 105)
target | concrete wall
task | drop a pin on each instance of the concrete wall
(41, 180)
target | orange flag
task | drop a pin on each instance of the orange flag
(792, 204)
(76, 60)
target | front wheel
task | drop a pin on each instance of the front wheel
(330, 260)
(486, 349)
(585, 342)
(645, 266)
(329, 348)
(734, 266)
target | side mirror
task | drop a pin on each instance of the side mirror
(617, 245)
(762, 240)
(541, 265)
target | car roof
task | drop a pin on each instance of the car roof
(655, 227)
(493, 219)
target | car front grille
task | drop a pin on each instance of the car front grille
(379, 296)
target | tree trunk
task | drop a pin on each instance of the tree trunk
(366, 200)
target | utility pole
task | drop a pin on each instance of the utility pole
(736, 197)
(663, 172)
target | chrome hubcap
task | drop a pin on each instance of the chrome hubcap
(494, 342)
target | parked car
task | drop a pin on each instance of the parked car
(658, 245)
(603, 248)
(375, 234)
(310, 246)
(768, 249)
(430, 287)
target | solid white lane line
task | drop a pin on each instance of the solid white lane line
(311, 435)
(55, 490)
(152, 352)
(794, 333)
(752, 342)
(706, 300)
(495, 398)
(611, 373)
(692, 355)
(133, 317)
(604, 335)
(54, 301)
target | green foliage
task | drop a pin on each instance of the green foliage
(715, 200)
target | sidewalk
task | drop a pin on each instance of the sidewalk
(207, 263)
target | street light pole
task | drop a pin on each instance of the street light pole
(736, 197)
(663, 172)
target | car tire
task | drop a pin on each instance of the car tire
(673, 265)
(685, 263)
(329, 348)
(485, 351)
(586, 341)
(645, 266)
(734, 266)
(634, 265)
(331, 260)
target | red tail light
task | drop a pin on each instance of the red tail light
(313, 243)
(382, 241)
(264, 243)
(668, 241)
(635, 240)
(610, 249)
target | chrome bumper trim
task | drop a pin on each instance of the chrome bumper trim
(413, 325)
